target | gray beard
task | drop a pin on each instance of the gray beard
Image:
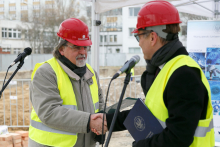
(80, 63)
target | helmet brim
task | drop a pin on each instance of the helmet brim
(135, 31)
(80, 42)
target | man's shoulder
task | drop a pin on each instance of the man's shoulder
(45, 70)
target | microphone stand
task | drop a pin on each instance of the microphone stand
(126, 81)
(18, 67)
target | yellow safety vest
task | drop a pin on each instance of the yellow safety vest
(204, 134)
(132, 71)
(42, 134)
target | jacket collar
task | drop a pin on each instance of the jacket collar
(71, 74)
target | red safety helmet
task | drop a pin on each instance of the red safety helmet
(156, 13)
(75, 31)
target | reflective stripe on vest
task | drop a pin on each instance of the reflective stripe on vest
(53, 137)
(41, 126)
(200, 131)
(204, 133)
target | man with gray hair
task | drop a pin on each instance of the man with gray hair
(65, 93)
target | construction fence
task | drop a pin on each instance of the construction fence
(15, 105)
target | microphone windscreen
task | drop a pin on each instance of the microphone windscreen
(136, 58)
(28, 50)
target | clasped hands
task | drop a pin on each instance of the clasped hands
(96, 123)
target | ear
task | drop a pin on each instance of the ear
(154, 38)
(61, 50)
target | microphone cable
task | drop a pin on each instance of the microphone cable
(104, 112)
(4, 82)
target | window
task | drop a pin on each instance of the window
(109, 50)
(133, 11)
(1, 9)
(115, 38)
(24, 7)
(36, 7)
(88, 10)
(111, 38)
(131, 30)
(26, 34)
(1, 16)
(1, 2)
(133, 50)
(14, 33)
(105, 38)
(12, 8)
(24, 15)
(4, 32)
(49, 6)
(19, 33)
(101, 38)
(6, 50)
(117, 50)
(10, 33)
(13, 16)
(113, 12)
(17, 50)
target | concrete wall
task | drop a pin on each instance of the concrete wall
(104, 71)
(115, 59)
(109, 64)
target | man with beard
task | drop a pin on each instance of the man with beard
(65, 93)
(176, 89)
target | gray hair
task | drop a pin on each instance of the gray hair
(62, 42)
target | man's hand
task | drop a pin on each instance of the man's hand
(96, 123)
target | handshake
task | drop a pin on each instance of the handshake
(96, 121)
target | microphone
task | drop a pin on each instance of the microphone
(127, 66)
(21, 56)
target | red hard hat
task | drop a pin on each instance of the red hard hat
(156, 13)
(75, 31)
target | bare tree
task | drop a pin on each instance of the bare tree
(41, 27)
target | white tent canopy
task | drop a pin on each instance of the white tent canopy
(106, 5)
(209, 8)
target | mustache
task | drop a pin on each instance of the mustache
(80, 56)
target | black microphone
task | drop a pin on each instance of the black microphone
(21, 56)
(127, 66)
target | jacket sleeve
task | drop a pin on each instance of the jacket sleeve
(119, 126)
(47, 103)
(186, 98)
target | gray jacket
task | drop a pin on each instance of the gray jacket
(47, 103)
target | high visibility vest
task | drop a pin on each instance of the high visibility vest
(44, 135)
(204, 134)
(132, 72)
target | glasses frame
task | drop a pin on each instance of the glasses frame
(78, 48)
(137, 35)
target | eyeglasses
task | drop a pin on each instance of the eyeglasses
(78, 48)
(137, 35)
